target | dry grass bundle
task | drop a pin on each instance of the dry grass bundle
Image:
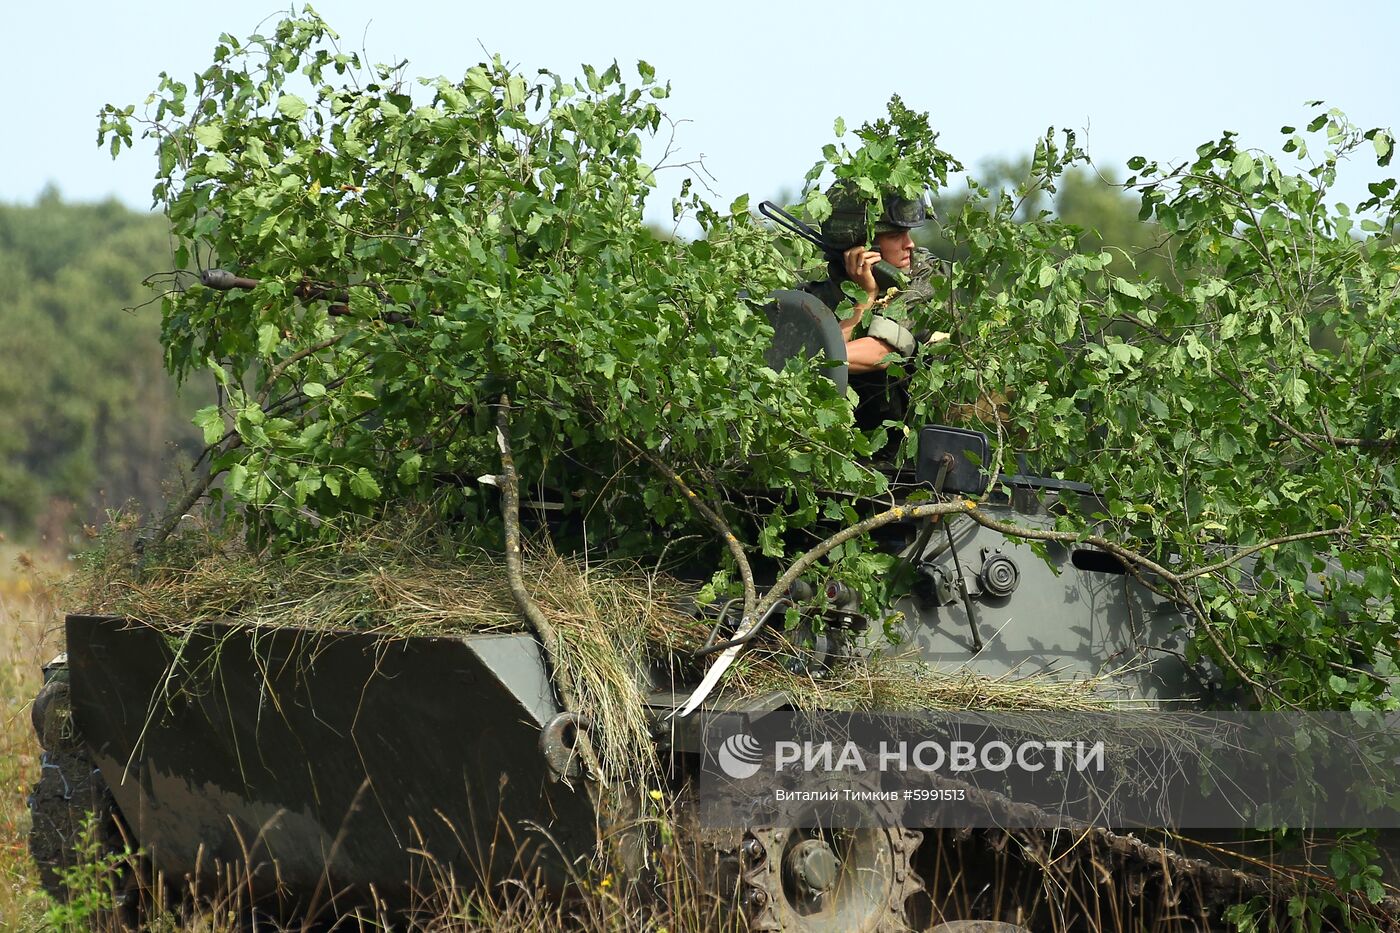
(396, 578)
(882, 681)
(402, 579)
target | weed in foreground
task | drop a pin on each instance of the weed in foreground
(92, 883)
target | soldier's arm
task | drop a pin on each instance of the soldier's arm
(868, 355)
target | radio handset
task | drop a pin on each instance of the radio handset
(888, 276)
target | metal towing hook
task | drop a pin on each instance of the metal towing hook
(559, 745)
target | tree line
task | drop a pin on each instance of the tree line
(89, 420)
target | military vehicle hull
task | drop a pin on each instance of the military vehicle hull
(325, 770)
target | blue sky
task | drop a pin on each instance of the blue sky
(759, 83)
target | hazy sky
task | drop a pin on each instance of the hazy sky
(760, 82)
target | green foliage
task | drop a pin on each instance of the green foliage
(1205, 407)
(91, 882)
(417, 259)
(1355, 862)
(1108, 217)
(1100, 213)
(899, 153)
(87, 417)
(483, 238)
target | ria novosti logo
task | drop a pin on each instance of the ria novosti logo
(740, 756)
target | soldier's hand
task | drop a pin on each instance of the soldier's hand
(859, 265)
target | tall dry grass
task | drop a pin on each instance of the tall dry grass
(29, 636)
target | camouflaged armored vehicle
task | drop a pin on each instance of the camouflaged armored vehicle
(330, 770)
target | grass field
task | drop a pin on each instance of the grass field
(29, 636)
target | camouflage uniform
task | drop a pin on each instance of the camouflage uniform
(893, 319)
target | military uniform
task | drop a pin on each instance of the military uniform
(892, 319)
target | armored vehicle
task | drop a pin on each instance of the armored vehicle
(322, 771)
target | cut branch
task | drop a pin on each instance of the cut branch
(1177, 583)
(810, 557)
(509, 484)
(301, 354)
(1256, 548)
(195, 493)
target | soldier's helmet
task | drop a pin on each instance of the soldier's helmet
(846, 225)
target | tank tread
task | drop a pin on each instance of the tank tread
(74, 820)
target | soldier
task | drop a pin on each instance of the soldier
(875, 329)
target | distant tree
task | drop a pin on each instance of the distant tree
(1084, 196)
(1107, 213)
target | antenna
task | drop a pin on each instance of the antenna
(791, 224)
